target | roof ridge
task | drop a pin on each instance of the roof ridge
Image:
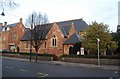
(13, 23)
(69, 20)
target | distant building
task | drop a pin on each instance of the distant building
(10, 35)
(118, 28)
(59, 37)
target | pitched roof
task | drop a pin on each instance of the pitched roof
(79, 24)
(65, 26)
(65, 31)
(73, 39)
(10, 25)
(26, 36)
(43, 31)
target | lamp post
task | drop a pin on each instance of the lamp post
(3, 14)
(98, 41)
(31, 39)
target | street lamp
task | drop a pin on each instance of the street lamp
(31, 39)
(98, 41)
(3, 14)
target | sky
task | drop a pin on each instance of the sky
(105, 11)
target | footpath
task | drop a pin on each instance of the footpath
(108, 67)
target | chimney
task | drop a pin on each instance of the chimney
(20, 19)
(1, 24)
(5, 23)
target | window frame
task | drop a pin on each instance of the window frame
(15, 36)
(54, 41)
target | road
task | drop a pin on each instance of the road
(20, 68)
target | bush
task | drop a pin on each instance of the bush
(91, 56)
(55, 57)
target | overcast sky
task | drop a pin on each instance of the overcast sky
(105, 11)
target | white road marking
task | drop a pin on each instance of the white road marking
(43, 74)
(116, 72)
(9, 67)
(23, 70)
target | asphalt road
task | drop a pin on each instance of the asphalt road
(18, 68)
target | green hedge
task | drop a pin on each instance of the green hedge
(72, 55)
(91, 56)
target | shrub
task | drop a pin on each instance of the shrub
(91, 56)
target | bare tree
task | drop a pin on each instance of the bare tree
(38, 32)
(38, 19)
(6, 5)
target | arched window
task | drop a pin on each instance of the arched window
(54, 41)
(15, 36)
(27, 44)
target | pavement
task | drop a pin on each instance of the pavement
(108, 67)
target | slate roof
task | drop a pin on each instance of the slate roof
(43, 31)
(10, 25)
(65, 26)
(79, 24)
(73, 39)
(26, 36)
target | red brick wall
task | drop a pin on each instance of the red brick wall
(7, 36)
(18, 30)
(66, 48)
(58, 50)
(55, 30)
(4, 40)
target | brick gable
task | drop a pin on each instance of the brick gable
(19, 30)
(55, 34)
(55, 30)
(13, 30)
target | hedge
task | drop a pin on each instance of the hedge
(91, 56)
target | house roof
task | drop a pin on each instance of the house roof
(79, 24)
(73, 39)
(65, 26)
(26, 36)
(10, 25)
(43, 31)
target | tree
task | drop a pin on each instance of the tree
(38, 19)
(37, 33)
(116, 37)
(7, 4)
(94, 31)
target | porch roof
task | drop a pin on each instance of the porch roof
(73, 39)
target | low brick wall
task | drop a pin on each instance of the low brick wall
(45, 58)
(91, 61)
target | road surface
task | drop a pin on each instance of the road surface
(20, 68)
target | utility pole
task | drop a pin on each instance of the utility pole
(31, 39)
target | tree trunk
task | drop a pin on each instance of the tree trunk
(36, 55)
